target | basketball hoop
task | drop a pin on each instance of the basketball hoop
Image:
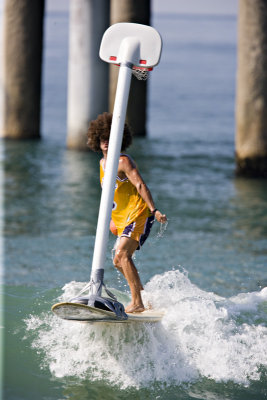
(141, 73)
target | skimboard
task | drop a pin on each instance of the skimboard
(81, 312)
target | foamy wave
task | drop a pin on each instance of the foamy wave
(200, 335)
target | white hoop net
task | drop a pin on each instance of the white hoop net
(140, 74)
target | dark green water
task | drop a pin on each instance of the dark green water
(207, 270)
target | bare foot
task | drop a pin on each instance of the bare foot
(131, 308)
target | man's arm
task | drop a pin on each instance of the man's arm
(127, 166)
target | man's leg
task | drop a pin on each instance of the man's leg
(123, 261)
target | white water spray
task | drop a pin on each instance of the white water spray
(201, 335)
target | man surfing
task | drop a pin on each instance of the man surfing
(133, 212)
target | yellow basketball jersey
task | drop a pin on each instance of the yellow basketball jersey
(128, 205)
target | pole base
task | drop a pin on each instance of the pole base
(103, 303)
(94, 299)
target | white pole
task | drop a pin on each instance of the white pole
(115, 141)
(124, 44)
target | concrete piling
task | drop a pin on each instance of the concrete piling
(88, 75)
(251, 103)
(23, 40)
(137, 11)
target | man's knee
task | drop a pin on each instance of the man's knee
(121, 256)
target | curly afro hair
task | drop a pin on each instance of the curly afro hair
(99, 129)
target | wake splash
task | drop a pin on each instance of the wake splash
(201, 335)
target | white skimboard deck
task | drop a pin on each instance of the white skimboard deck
(84, 313)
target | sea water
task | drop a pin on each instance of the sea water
(206, 271)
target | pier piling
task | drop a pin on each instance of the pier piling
(251, 104)
(23, 42)
(88, 75)
(137, 11)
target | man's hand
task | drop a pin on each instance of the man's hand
(160, 217)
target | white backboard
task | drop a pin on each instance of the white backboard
(145, 41)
